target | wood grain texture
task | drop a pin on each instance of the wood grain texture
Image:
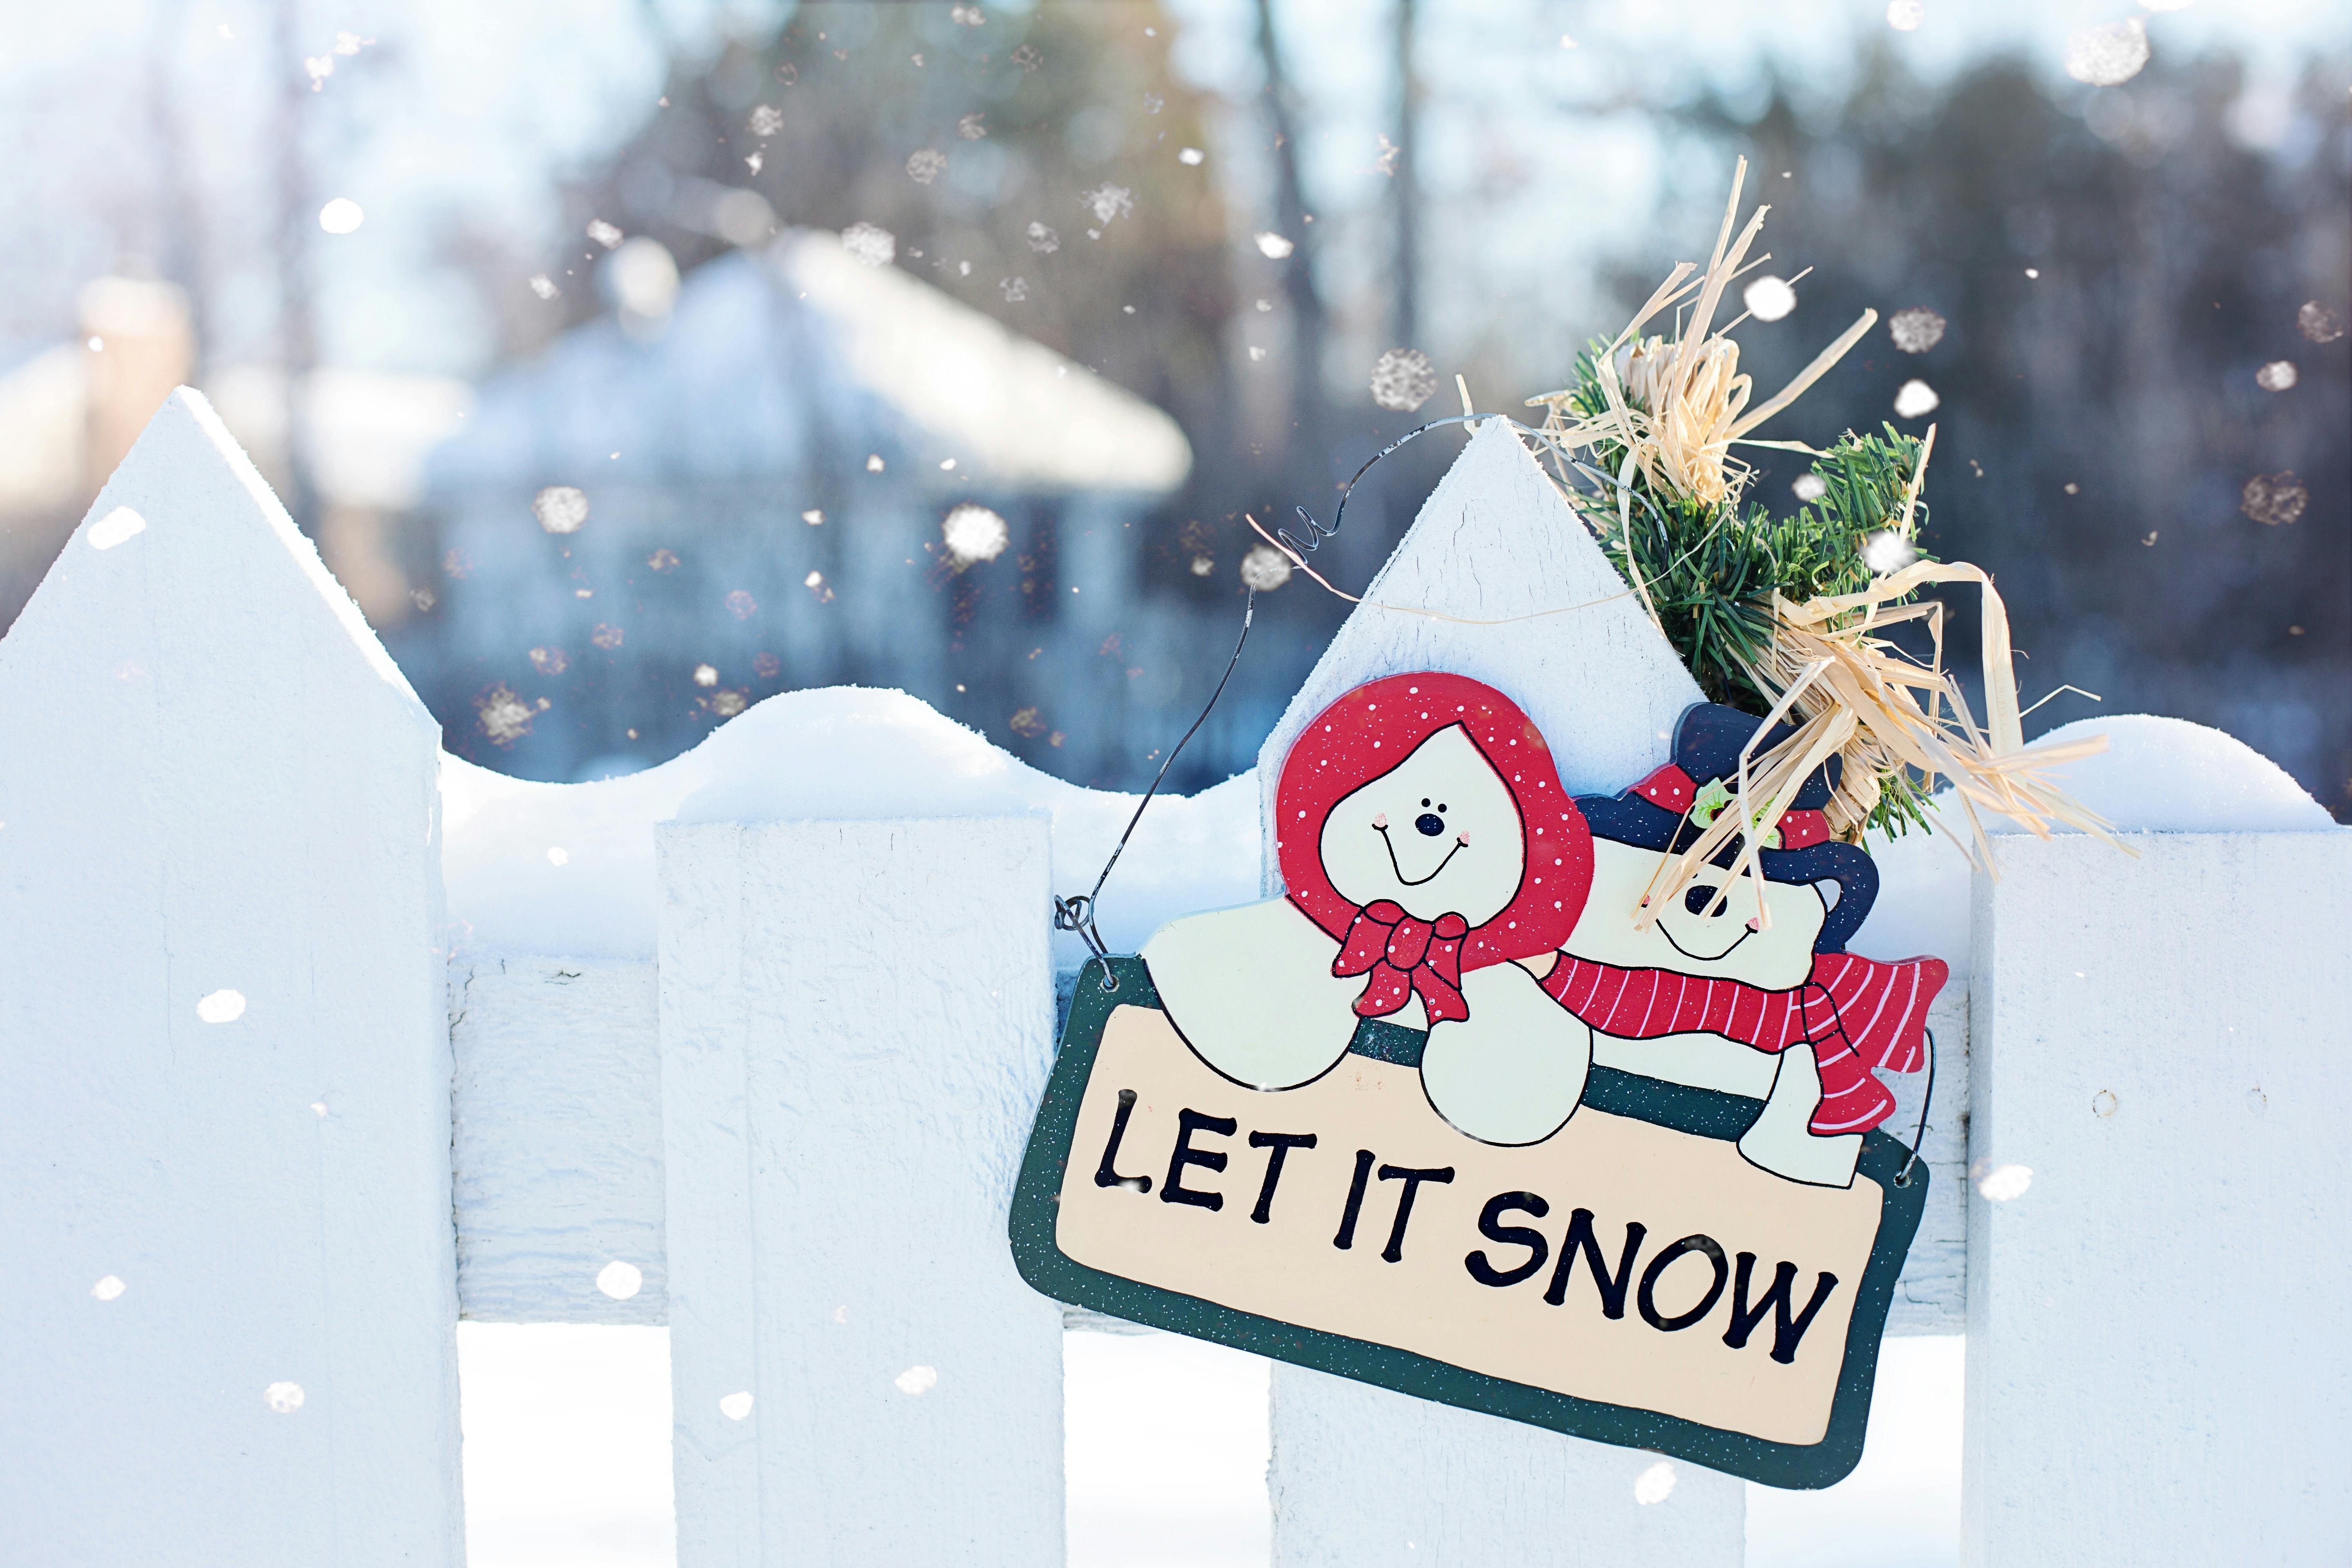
(558, 1137)
(2156, 1369)
(856, 1031)
(1362, 1475)
(215, 781)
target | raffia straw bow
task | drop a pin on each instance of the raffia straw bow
(1857, 696)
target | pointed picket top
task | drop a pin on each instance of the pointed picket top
(188, 516)
(1495, 539)
(224, 1044)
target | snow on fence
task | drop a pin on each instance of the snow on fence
(264, 1137)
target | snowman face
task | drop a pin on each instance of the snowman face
(1439, 833)
(1694, 936)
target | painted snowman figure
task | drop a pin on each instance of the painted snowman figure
(1714, 994)
(1426, 844)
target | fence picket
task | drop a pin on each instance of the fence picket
(224, 1054)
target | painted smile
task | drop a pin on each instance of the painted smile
(1381, 828)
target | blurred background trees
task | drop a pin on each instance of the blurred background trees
(1225, 212)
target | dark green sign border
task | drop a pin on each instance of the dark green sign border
(1704, 1112)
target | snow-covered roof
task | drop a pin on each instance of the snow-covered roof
(777, 363)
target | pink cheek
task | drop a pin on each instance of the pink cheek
(1381, 820)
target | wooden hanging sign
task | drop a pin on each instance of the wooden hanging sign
(1447, 1119)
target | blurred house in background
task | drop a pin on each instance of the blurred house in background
(798, 468)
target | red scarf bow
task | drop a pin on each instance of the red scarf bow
(1856, 1013)
(1405, 956)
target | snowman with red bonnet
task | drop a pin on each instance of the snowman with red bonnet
(1426, 846)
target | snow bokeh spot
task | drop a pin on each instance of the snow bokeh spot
(708, 675)
(1403, 379)
(1273, 247)
(2279, 375)
(561, 509)
(2318, 323)
(1917, 330)
(2003, 1182)
(1810, 486)
(973, 533)
(620, 1280)
(342, 216)
(1904, 15)
(1191, 157)
(108, 1289)
(543, 286)
(925, 165)
(1887, 552)
(1915, 400)
(1265, 569)
(2108, 56)
(2273, 499)
(767, 120)
(116, 526)
(1656, 1484)
(1768, 299)
(558, 855)
(916, 1380)
(1108, 202)
(870, 243)
(283, 1397)
(604, 234)
(222, 1008)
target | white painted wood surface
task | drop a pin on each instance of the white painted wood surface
(1362, 1475)
(557, 1143)
(2158, 1370)
(215, 780)
(856, 1030)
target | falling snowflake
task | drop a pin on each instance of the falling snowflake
(1904, 15)
(972, 533)
(350, 43)
(2273, 499)
(342, 216)
(220, 1006)
(283, 1397)
(550, 660)
(767, 121)
(1915, 400)
(620, 1280)
(789, 73)
(742, 606)
(1654, 1485)
(2003, 1182)
(1256, 354)
(924, 166)
(1044, 240)
(543, 286)
(319, 68)
(2318, 323)
(1810, 487)
(423, 598)
(1153, 103)
(108, 1288)
(504, 717)
(561, 509)
(662, 560)
(607, 636)
(706, 674)
(972, 127)
(1027, 722)
(1191, 157)
(1887, 552)
(767, 665)
(1265, 569)
(916, 1380)
(1108, 202)
(603, 232)
(1768, 299)
(2279, 375)
(1273, 246)
(727, 704)
(2108, 56)
(1386, 162)
(870, 243)
(735, 1406)
(1403, 379)
(814, 516)
(756, 162)
(873, 465)
(815, 584)
(967, 15)
(1917, 330)
(1203, 565)
(1027, 58)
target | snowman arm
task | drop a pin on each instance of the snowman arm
(1251, 991)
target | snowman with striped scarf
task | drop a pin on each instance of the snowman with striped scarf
(1744, 984)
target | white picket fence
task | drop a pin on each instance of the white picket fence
(802, 1122)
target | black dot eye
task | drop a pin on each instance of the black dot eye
(1424, 800)
(1442, 807)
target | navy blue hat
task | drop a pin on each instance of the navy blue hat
(1656, 814)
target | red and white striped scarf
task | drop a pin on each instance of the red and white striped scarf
(1857, 1013)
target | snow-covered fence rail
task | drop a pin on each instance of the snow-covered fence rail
(263, 1138)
